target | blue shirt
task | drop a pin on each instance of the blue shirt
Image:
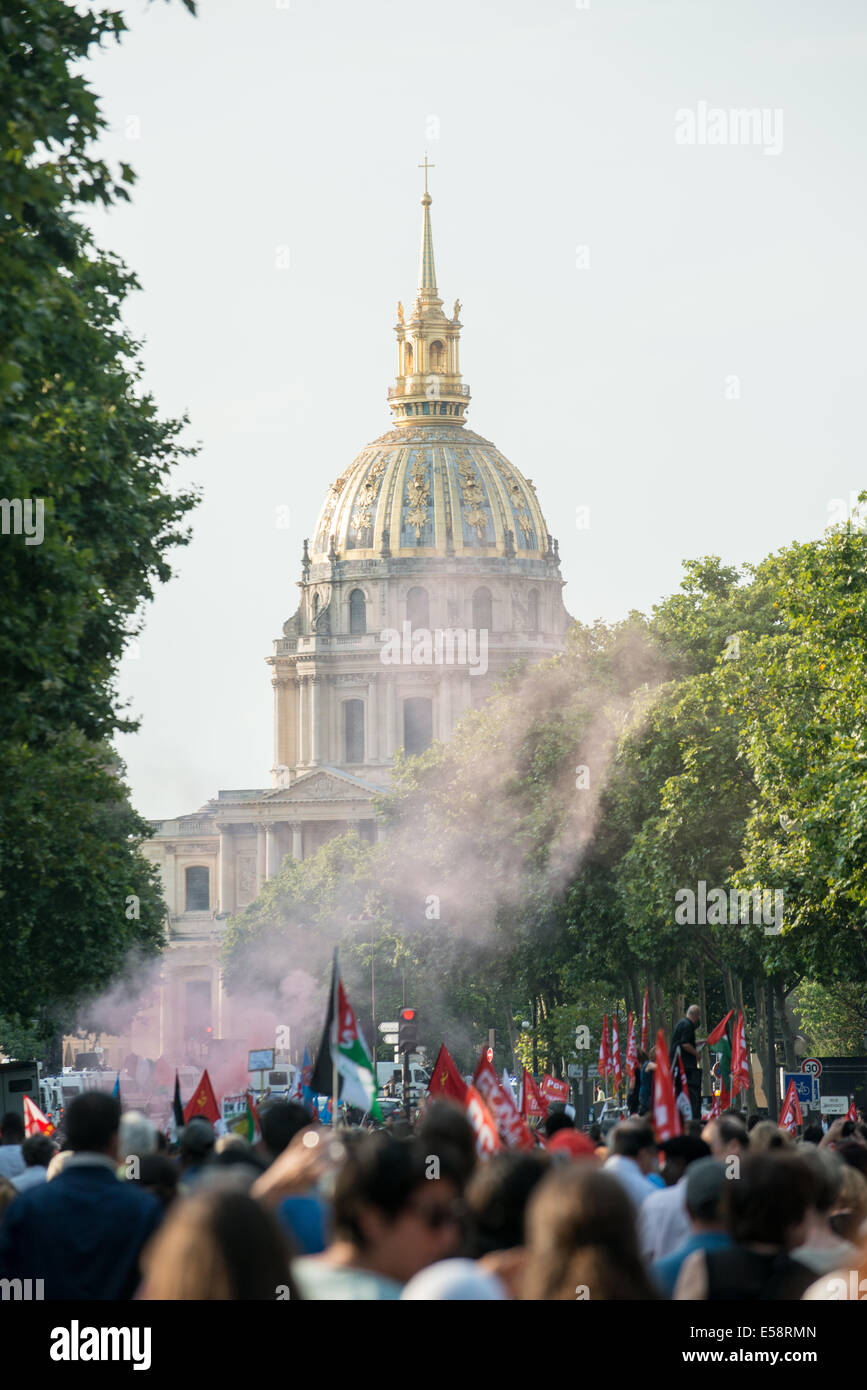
(306, 1220)
(665, 1272)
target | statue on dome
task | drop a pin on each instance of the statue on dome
(400, 311)
(456, 312)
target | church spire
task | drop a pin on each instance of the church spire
(428, 345)
(427, 279)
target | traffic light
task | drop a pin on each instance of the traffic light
(407, 1034)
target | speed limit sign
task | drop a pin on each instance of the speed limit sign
(811, 1066)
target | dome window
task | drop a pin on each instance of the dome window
(417, 725)
(482, 614)
(357, 612)
(418, 608)
(437, 357)
(353, 728)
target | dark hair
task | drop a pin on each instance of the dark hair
(853, 1153)
(445, 1129)
(581, 1231)
(91, 1122)
(11, 1128)
(630, 1140)
(218, 1245)
(198, 1138)
(812, 1134)
(159, 1175)
(497, 1199)
(594, 1132)
(555, 1121)
(379, 1171)
(730, 1128)
(38, 1151)
(768, 1199)
(753, 1120)
(280, 1121)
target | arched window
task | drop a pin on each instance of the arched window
(437, 357)
(357, 611)
(482, 619)
(353, 730)
(417, 725)
(198, 888)
(533, 611)
(407, 359)
(418, 608)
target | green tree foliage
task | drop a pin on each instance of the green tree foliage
(82, 441)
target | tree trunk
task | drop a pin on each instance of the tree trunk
(706, 1088)
(786, 1026)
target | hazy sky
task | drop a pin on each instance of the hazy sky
(669, 334)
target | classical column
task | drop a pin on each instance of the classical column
(315, 707)
(297, 840)
(272, 850)
(371, 722)
(260, 858)
(392, 738)
(302, 720)
(227, 866)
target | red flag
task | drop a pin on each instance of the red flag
(482, 1121)
(510, 1126)
(533, 1104)
(715, 1108)
(446, 1081)
(604, 1056)
(34, 1120)
(719, 1030)
(791, 1116)
(740, 1059)
(202, 1102)
(631, 1049)
(666, 1116)
(645, 1022)
(616, 1069)
(552, 1089)
(851, 1113)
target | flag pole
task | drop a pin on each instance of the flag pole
(335, 1034)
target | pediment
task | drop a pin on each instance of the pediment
(319, 786)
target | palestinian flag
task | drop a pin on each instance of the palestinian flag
(343, 1044)
(247, 1125)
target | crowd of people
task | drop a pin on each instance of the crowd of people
(726, 1210)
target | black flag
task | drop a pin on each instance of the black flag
(322, 1080)
(177, 1106)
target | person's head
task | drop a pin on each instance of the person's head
(849, 1212)
(812, 1134)
(765, 1137)
(159, 1175)
(594, 1132)
(853, 1153)
(581, 1235)
(767, 1204)
(556, 1119)
(197, 1142)
(444, 1128)
(754, 1119)
(680, 1152)
(38, 1150)
(92, 1122)
(634, 1139)
(497, 1198)
(217, 1245)
(397, 1219)
(705, 1184)
(280, 1121)
(642, 1056)
(11, 1128)
(137, 1135)
(725, 1135)
(825, 1174)
(693, 1013)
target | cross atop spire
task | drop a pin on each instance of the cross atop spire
(427, 279)
(426, 166)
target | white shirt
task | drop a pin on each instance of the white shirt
(664, 1223)
(630, 1177)
(11, 1162)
